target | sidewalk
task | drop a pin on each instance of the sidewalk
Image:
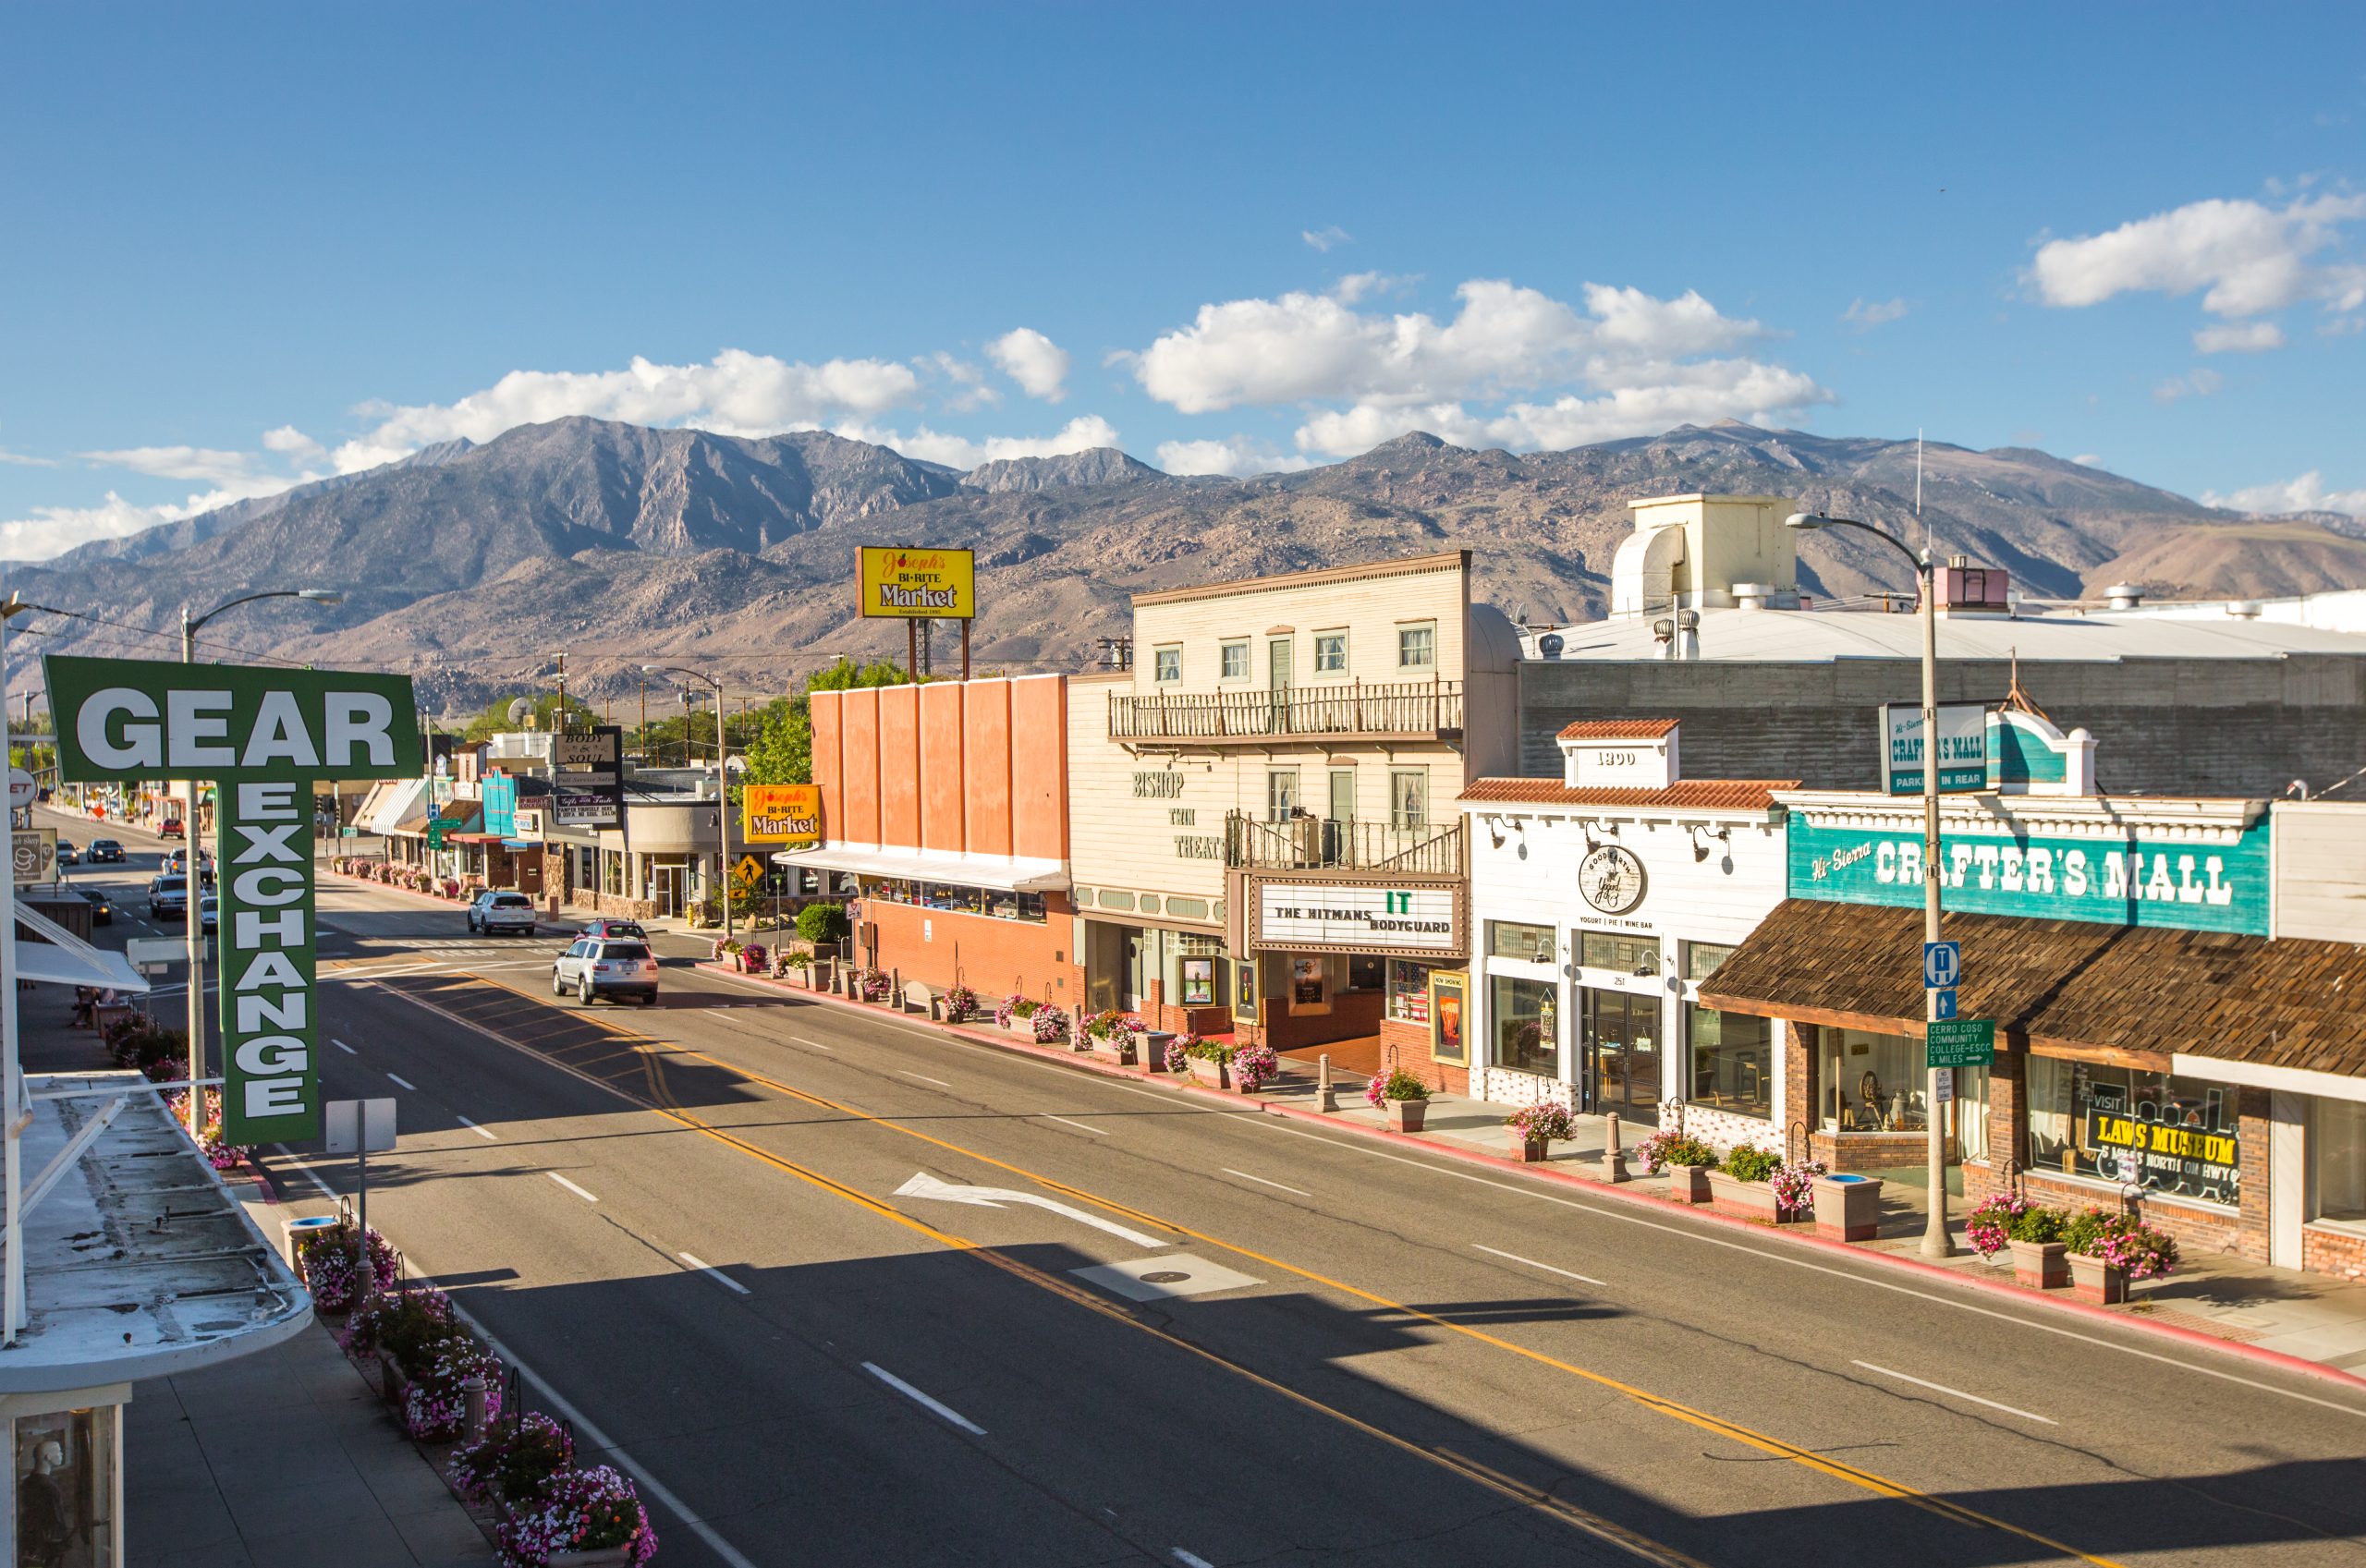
(2242, 1305)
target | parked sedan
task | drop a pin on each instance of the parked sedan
(105, 852)
(593, 968)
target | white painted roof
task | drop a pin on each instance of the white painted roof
(1818, 637)
(62, 958)
(1008, 873)
(111, 1295)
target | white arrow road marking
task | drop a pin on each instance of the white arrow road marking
(925, 1185)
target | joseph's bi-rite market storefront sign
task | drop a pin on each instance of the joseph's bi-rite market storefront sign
(2125, 881)
(262, 738)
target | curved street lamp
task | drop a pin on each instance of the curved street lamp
(722, 780)
(1936, 1241)
(193, 917)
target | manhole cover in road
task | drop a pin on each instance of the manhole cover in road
(1165, 1278)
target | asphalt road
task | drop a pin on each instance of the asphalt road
(700, 1225)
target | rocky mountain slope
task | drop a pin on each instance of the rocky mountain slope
(473, 566)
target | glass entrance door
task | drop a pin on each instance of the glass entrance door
(1622, 1047)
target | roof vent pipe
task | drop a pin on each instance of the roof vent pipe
(2244, 609)
(2124, 596)
(1752, 595)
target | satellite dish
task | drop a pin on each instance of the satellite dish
(519, 708)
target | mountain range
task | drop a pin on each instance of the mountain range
(474, 566)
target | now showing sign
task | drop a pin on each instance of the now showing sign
(1358, 916)
(262, 738)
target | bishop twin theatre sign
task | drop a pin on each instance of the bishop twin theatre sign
(262, 738)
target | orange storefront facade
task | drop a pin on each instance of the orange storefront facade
(948, 802)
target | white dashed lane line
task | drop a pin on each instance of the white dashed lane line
(346, 1049)
(937, 1406)
(1263, 1182)
(717, 1275)
(403, 1082)
(474, 1128)
(570, 1186)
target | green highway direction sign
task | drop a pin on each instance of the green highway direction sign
(1959, 1042)
(261, 737)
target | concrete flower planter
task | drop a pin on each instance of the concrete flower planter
(1154, 1049)
(2093, 1280)
(1689, 1183)
(599, 1557)
(1114, 1052)
(1407, 1115)
(1752, 1200)
(1215, 1075)
(1847, 1208)
(1530, 1151)
(2041, 1265)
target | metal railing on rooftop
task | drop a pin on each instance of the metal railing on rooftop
(1430, 708)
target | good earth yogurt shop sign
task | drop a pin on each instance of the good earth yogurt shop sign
(261, 737)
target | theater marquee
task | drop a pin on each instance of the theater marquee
(1414, 918)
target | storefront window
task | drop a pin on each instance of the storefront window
(1702, 958)
(955, 898)
(1365, 972)
(65, 1475)
(2169, 1135)
(1508, 939)
(1528, 1033)
(1629, 956)
(1409, 992)
(1733, 1063)
(1876, 1083)
(2338, 1160)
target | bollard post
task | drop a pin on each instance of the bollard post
(474, 1391)
(1326, 1098)
(1613, 1162)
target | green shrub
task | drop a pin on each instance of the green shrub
(2038, 1224)
(1748, 1164)
(822, 922)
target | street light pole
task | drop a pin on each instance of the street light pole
(721, 776)
(194, 916)
(1936, 1240)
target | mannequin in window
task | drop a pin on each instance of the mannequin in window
(44, 1522)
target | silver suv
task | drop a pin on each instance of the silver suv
(494, 911)
(597, 966)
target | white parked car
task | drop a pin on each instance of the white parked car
(493, 910)
(596, 966)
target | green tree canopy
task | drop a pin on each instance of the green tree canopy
(495, 719)
(783, 752)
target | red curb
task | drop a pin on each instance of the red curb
(376, 886)
(1596, 1187)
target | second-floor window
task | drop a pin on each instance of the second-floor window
(1167, 664)
(1417, 648)
(1235, 664)
(1281, 795)
(1330, 653)
(1409, 797)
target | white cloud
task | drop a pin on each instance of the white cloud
(1079, 434)
(2088, 460)
(1865, 315)
(2307, 493)
(294, 444)
(2238, 337)
(738, 394)
(1237, 455)
(2201, 382)
(207, 465)
(2250, 257)
(53, 530)
(1504, 339)
(1034, 361)
(1323, 238)
(23, 461)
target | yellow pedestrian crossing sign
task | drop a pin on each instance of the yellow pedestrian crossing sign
(748, 869)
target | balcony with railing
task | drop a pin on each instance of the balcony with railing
(1368, 711)
(1306, 844)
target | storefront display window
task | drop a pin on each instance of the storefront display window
(2338, 1160)
(1365, 972)
(1309, 985)
(1409, 992)
(1702, 958)
(1508, 939)
(64, 1478)
(1447, 1042)
(1733, 1063)
(1629, 956)
(954, 898)
(1199, 982)
(1875, 1083)
(2180, 1136)
(1528, 1033)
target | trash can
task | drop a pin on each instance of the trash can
(292, 1230)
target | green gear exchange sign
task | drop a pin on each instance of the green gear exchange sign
(262, 738)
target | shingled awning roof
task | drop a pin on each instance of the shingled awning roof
(1684, 794)
(1617, 729)
(2137, 995)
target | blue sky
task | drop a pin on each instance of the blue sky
(255, 243)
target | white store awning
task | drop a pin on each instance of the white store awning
(66, 959)
(397, 800)
(1005, 873)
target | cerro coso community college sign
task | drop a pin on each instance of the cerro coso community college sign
(263, 737)
(2131, 880)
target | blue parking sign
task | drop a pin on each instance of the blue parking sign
(1942, 964)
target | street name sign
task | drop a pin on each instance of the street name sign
(1942, 964)
(262, 738)
(1959, 1042)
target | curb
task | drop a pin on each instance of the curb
(376, 886)
(1597, 1188)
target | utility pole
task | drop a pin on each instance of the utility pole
(560, 726)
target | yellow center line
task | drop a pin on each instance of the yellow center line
(1870, 1480)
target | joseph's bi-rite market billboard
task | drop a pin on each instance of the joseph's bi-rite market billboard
(261, 737)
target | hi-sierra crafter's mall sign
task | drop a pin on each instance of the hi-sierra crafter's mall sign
(261, 737)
